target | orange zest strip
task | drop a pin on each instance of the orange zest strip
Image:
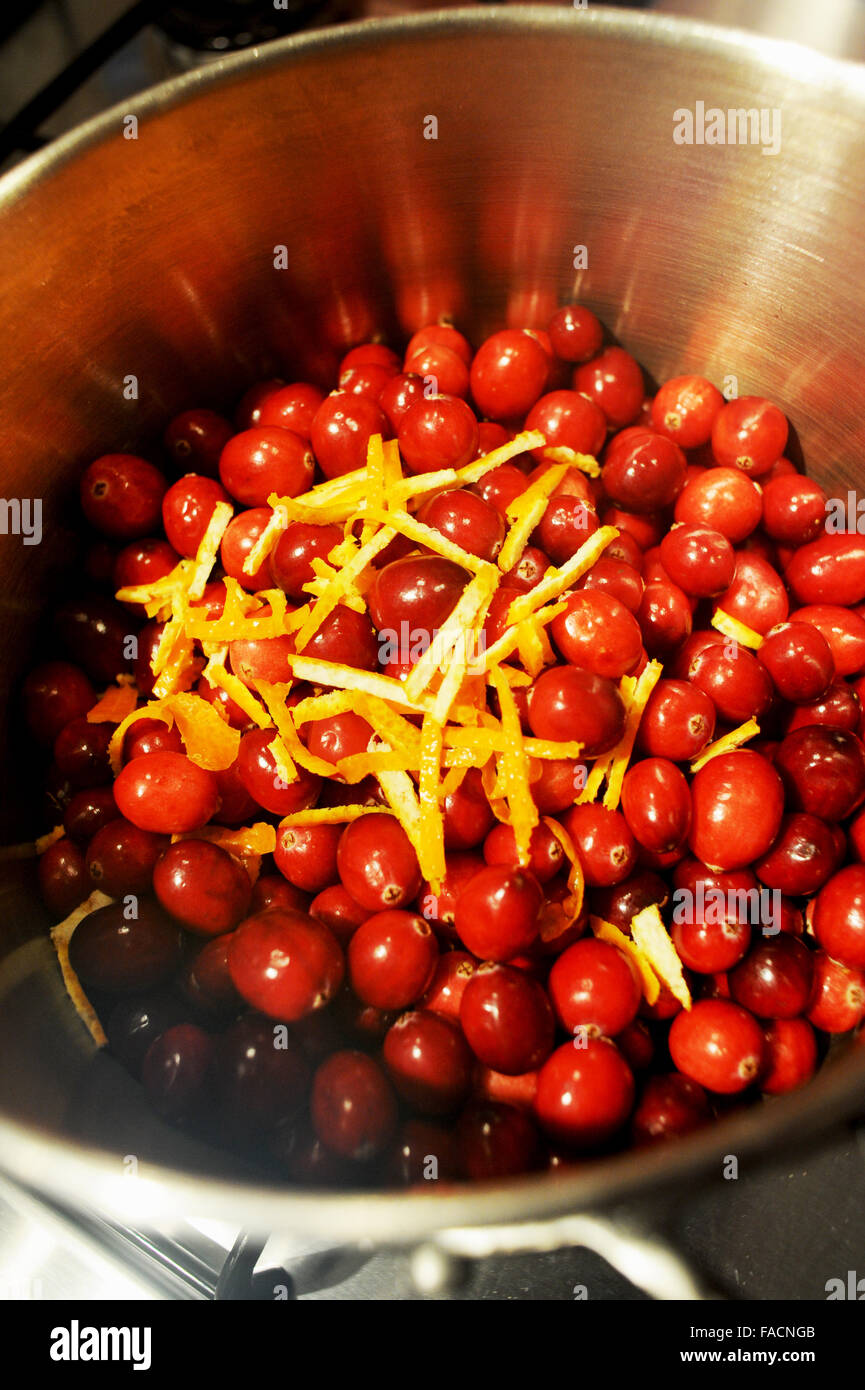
(739, 632)
(650, 934)
(422, 534)
(727, 743)
(61, 935)
(524, 514)
(606, 931)
(477, 593)
(342, 585)
(622, 752)
(274, 696)
(514, 767)
(117, 702)
(332, 815)
(586, 463)
(556, 918)
(431, 820)
(339, 677)
(520, 444)
(557, 580)
(208, 548)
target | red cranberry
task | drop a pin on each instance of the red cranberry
(594, 989)
(839, 916)
(391, 958)
(377, 863)
(749, 433)
(495, 1141)
(63, 879)
(643, 471)
(790, 1055)
(507, 1020)
(584, 1093)
(837, 1001)
(774, 979)
(724, 499)
(685, 409)
(597, 633)
(438, 432)
(429, 1062)
(677, 723)
(176, 1070)
(352, 1106)
(717, 1044)
(284, 963)
(508, 374)
(737, 802)
(669, 1106)
(260, 461)
(823, 771)
(566, 702)
(614, 381)
(123, 954)
(121, 858)
(202, 886)
(656, 803)
(121, 495)
(604, 843)
(497, 913)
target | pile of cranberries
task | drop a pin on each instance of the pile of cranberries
(337, 1017)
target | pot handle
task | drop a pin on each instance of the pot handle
(647, 1258)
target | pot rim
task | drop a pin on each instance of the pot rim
(67, 1169)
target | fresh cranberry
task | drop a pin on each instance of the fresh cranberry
(96, 631)
(54, 694)
(619, 902)
(594, 989)
(467, 814)
(88, 811)
(739, 687)
(391, 958)
(495, 1141)
(143, 562)
(121, 495)
(802, 858)
(497, 913)
(597, 633)
(202, 886)
(757, 596)
(501, 486)
(799, 660)
(664, 616)
(206, 982)
(656, 804)
(440, 335)
(439, 908)
(285, 963)
(677, 723)
(669, 1107)
(842, 629)
(125, 955)
(353, 1106)
(438, 432)
(341, 431)
(291, 408)
(565, 526)
(701, 561)
(643, 471)
(467, 520)
(838, 708)
(292, 557)
(167, 793)
(749, 433)
(441, 368)
(248, 410)
(718, 1044)
(575, 333)
(176, 1070)
(260, 461)
(377, 863)
(121, 858)
(790, 1055)
(737, 802)
(150, 736)
(240, 536)
(338, 910)
(135, 1023)
(830, 569)
(186, 511)
(260, 1085)
(196, 439)
(823, 770)
(418, 591)
(428, 1061)
(585, 1093)
(507, 1020)
(614, 381)
(604, 843)
(63, 879)
(260, 776)
(724, 499)
(81, 753)
(444, 993)
(794, 509)
(685, 409)
(508, 374)
(839, 916)
(568, 420)
(546, 854)
(566, 702)
(774, 979)
(837, 1001)
(618, 579)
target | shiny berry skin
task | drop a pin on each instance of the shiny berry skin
(677, 723)
(739, 687)
(176, 1070)
(121, 495)
(81, 753)
(340, 736)
(338, 910)
(341, 430)
(167, 793)
(585, 1093)
(643, 471)
(135, 1022)
(565, 526)
(53, 695)
(664, 616)
(594, 989)
(837, 1001)
(306, 855)
(617, 578)
(443, 994)
(774, 979)
(420, 591)
(353, 1107)
(501, 486)
(440, 335)
(206, 982)
(467, 814)
(823, 771)
(438, 432)
(838, 708)
(685, 409)
(494, 1140)
(802, 858)
(606, 848)
(263, 460)
(757, 596)
(186, 511)
(467, 520)
(749, 433)
(196, 439)
(292, 557)
(790, 1056)
(87, 812)
(569, 421)
(839, 916)
(377, 863)
(509, 372)
(843, 630)
(619, 902)
(547, 857)
(63, 878)
(428, 1061)
(656, 803)
(142, 562)
(597, 633)
(398, 395)
(669, 1106)
(575, 333)
(259, 1084)
(120, 956)
(95, 630)
(614, 381)
(240, 537)
(284, 963)
(566, 703)
(391, 959)
(121, 858)
(794, 509)
(724, 499)
(701, 561)
(830, 569)
(439, 908)
(346, 637)
(718, 1044)
(291, 408)
(799, 660)
(529, 570)
(248, 410)
(202, 886)
(708, 940)
(441, 369)
(507, 1020)
(496, 914)
(737, 802)
(260, 776)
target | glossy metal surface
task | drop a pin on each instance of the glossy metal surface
(154, 257)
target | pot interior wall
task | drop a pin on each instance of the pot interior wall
(155, 258)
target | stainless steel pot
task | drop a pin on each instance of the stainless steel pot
(153, 257)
